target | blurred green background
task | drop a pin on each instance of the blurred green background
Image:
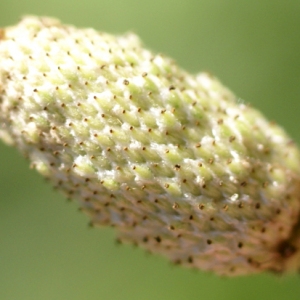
(47, 252)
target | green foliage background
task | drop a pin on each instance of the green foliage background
(46, 250)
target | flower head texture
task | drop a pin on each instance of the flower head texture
(171, 160)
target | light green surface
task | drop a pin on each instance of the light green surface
(47, 251)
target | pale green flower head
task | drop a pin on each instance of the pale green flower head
(172, 160)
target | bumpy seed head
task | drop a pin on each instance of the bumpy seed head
(170, 159)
